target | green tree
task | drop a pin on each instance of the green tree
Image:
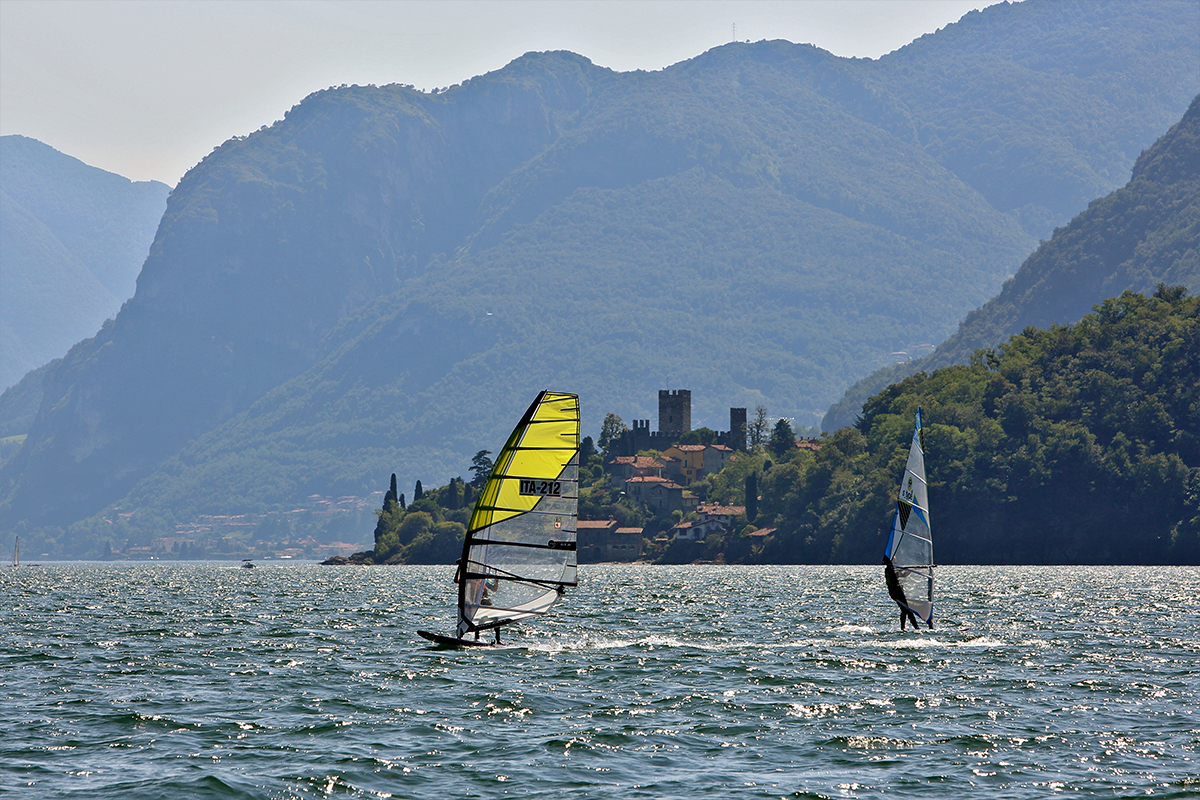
(454, 494)
(610, 430)
(481, 468)
(440, 544)
(756, 432)
(752, 496)
(783, 439)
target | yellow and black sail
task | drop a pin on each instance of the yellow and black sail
(520, 549)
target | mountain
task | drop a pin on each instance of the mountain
(1145, 233)
(378, 281)
(72, 239)
(1069, 445)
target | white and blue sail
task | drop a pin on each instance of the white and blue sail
(910, 543)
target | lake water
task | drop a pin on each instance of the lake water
(207, 680)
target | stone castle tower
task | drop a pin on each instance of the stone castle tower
(736, 438)
(674, 411)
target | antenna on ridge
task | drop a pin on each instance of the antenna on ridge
(733, 38)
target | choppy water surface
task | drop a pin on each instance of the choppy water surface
(207, 680)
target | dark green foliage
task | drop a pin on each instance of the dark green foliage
(430, 531)
(587, 449)
(751, 496)
(768, 220)
(700, 435)
(481, 468)
(453, 496)
(439, 545)
(783, 439)
(611, 430)
(1068, 445)
(418, 493)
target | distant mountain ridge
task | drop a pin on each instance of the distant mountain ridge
(373, 283)
(72, 239)
(1143, 234)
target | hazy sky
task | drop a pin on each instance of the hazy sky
(146, 88)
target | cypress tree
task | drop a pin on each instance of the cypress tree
(418, 492)
(751, 496)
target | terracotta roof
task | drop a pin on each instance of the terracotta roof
(647, 479)
(720, 447)
(640, 462)
(689, 448)
(594, 524)
(761, 532)
(715, 510)
(809, 444)
(630, 530)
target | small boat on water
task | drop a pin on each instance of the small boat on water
(908, 555)
(16, 562)
(247, 564)
(519, 554)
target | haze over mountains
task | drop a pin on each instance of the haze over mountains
(72, 240)
(1145, 233)
(382, 280)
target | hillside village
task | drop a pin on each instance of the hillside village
(643, 495)
(658, 484)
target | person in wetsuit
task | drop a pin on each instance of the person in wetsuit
(897, 593)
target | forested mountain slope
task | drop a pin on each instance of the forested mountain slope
(72, 239)
(374, 283)
(1143, 234)
(1069, 445)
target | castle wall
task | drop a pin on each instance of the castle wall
(674, 420)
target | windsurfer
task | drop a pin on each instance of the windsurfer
(897, 593)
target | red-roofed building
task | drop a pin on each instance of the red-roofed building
(722, 514)
(716, 456)
(622, 468)
(659, 494)
(695, 531)
(601, 540)
(694, 461)
(690, 461)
